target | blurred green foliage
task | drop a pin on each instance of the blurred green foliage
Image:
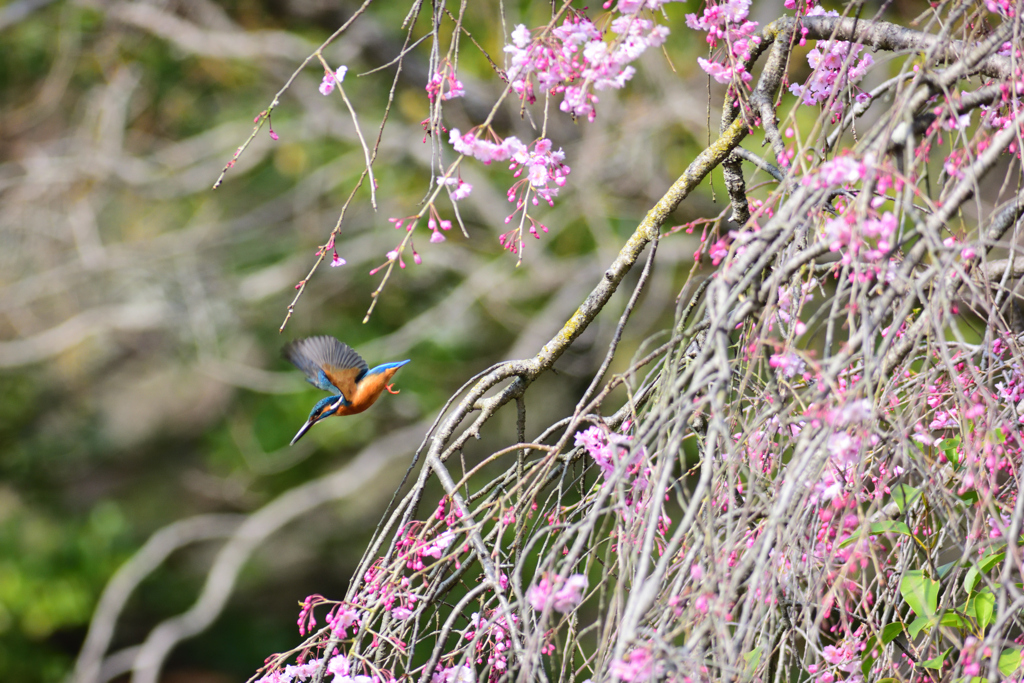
(51, 570)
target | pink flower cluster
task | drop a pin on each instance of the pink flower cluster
(850, 233)
(973, 655)
(435, 234)
(1001, 116)
(479, 147)
(544, 170)
(396, 595)
(637, 667)
(612, 454)
(462, 188)
(789, 305)
(850, 421)
(840, 171)
(727, 23)
(414, 548)
(846, 659)
(491, 633)
(385, 591)
(291, 673)
(608, 450)
(573, 58)
(562, 596)
(835, 66)
(343, 618)
(761, 447)
(446, 85)
(1007, 8)
(340, 618)
(788, 364)
(544, 167)
(331, 79)
(634, 6)
(339, 670)
(719, 250)
(454, 674)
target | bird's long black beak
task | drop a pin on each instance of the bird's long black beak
(305, 428)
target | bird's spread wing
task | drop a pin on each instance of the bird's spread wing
(329, 365)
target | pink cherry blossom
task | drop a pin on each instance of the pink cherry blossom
(789, 364)
(482, 149)
(637, 667)
(462, 188)
(331, 79)
(835, 66)
(574, 59)
(545, 171)
(1007, 8)
(446, 84)
(719, 250)
(401, 613)
(563, 596)
(338, 666)
(843, 170)
(726, 23)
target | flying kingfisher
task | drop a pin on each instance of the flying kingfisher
(333, 366)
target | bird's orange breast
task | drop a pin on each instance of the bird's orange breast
(366, 393)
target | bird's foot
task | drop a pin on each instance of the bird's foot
(391, 389)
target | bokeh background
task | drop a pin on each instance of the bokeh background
(140, 375)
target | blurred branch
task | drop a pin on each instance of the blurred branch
(90, 663)
(211, 43)
(16, 11)
(886, 36)
(75, 330)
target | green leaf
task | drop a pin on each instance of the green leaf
(754, 657)
(905, 495)
(1009, 661)
(953, 619)
(866, 663)
(920, 592)
(944, 569)
(987, 561)
(981, 607)
(890, 631)
(999, 435)
(949, 446)
(918, 625)
(890, 528)
(876, 528)
(937, 662)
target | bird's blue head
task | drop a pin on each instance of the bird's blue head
(324, 408)
(385, 367)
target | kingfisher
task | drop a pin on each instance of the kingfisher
(333, 366)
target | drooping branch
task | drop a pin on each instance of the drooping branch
(883, 35)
